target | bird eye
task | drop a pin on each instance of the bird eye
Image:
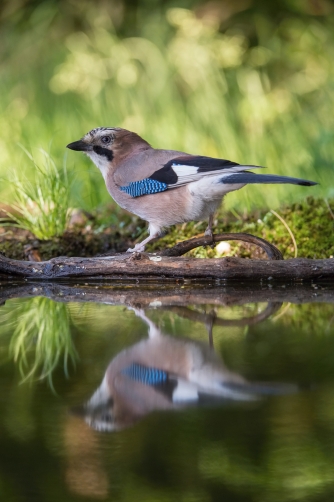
(106, 139)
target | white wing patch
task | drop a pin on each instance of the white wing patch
(189, 174)
(185, 391)
(182, 170)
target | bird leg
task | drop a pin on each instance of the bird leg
(154, 331)
(209, 326)
(140, 246)
(208, 230)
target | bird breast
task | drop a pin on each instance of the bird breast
(168, 208)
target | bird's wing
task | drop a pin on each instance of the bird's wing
(180, 390)
(186, 169)
(181, 171)
(172, 386)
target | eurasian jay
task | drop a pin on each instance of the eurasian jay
(165, 187)
(166, 373)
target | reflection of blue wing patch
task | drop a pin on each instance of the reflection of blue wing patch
(145, 375)
(144, 187)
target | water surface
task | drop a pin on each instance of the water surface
(253, 420)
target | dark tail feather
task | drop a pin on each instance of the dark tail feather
(264, 389)
(264, 178)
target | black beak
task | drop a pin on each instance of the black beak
(79, 146)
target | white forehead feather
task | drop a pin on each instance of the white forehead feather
(99, 131)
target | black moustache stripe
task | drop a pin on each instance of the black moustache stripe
(104, 152)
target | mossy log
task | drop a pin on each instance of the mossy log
(141, 266)
(169, 264)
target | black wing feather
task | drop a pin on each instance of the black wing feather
(167, 175)
(203, 163)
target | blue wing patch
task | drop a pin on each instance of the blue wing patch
(145, 375)
(146, 186)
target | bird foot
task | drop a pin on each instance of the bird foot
(139, 248)
(208, 233)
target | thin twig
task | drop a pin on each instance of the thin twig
(289, 230)
(329, 208)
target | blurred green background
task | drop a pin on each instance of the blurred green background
(247, 80)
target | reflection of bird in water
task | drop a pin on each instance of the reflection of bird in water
(166, 373)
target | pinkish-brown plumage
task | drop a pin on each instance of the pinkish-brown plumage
(165, 187)
(166, 373)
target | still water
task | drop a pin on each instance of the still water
(185, 392)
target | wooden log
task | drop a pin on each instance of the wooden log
(168, 264)
(144, 265)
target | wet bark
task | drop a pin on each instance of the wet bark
(142, 265)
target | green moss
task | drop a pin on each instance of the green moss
(311, 222)
(70, 244)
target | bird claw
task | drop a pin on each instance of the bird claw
(137, 249)
(208, 233)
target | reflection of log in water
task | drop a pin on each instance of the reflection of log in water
(210, 319)
(149, 294)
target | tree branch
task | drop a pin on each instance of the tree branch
(183, 247)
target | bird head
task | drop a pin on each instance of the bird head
(118, 403)
(107, 146)
(98, 411)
